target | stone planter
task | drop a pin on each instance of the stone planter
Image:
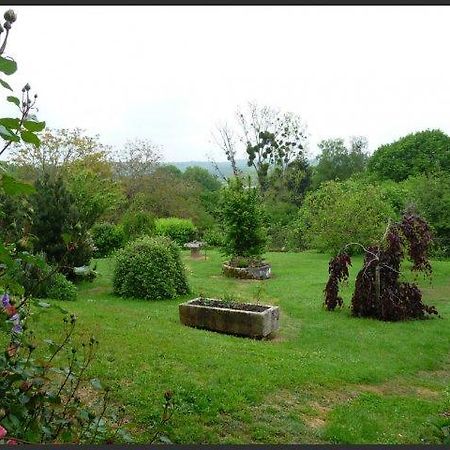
(262, 272)
(242, 319)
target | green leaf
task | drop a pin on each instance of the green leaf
(13, 187)
(7, 66)
(5, 85)
(5, 257)
(33, 126)
(10, 122)
(13, 99)
(30, 137)
(8, 135)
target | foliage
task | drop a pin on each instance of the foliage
(15, 220)
(213, 237)
(59, 149)
(107, 238)
(338, 272)
(56, 225)
(430, 195)
(341, 212)
(150, 268)
(202, 177)
(242, 218)
(179, 230)
(338, 162)
(378, 291)
(61, 288)
(137, 223)
(40, 280)
(418, 153)
(94, 194)
(166, 193)
(135, 162)
(40, 401)
(272, 139)
(40, 395)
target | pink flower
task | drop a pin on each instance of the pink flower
(3, 432)
(11, 442)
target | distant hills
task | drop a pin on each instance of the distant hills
(224, 166)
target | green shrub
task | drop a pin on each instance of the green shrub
(150, 268)
(137, 223)
(40, 280)
(61, 288)
(107, 238)
(179, 230)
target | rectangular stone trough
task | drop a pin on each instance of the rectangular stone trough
(241, 319)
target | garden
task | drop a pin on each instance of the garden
(283, 300)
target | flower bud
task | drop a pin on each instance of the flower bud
(10, 16)
(7, 25)
(27, 87)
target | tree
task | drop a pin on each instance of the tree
(54, 217)
(59, 148)
(418, 153)
(272, 139)
(430, 195)
(338, 162)
(95, 193)
(135, 162)
(379, 293)
(202, 177)
(242, 218)
(341, 212)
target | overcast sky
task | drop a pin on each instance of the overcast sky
(171, 73)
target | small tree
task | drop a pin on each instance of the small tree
(379, 293)
(242, 217)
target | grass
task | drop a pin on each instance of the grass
(327, 377)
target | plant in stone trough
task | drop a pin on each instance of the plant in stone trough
(242, 217)
(379, 293)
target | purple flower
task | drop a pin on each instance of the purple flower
(5, 300)
(17, 329)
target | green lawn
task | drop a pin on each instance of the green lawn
(327, 377)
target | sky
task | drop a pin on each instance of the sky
(171, 74)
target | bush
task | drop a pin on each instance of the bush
(150, 268)
(137, 223)
(61, 288)
(40, 280)
(107, 238)
(179, 230)
(242, 217)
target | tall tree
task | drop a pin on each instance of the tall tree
(272, 139)
(415, 154)
(336, 161)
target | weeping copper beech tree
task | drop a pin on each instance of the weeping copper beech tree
(379, 293)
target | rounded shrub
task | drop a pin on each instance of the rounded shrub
(179, 230)
(137, 223)
(150, 268)
(107, 238)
